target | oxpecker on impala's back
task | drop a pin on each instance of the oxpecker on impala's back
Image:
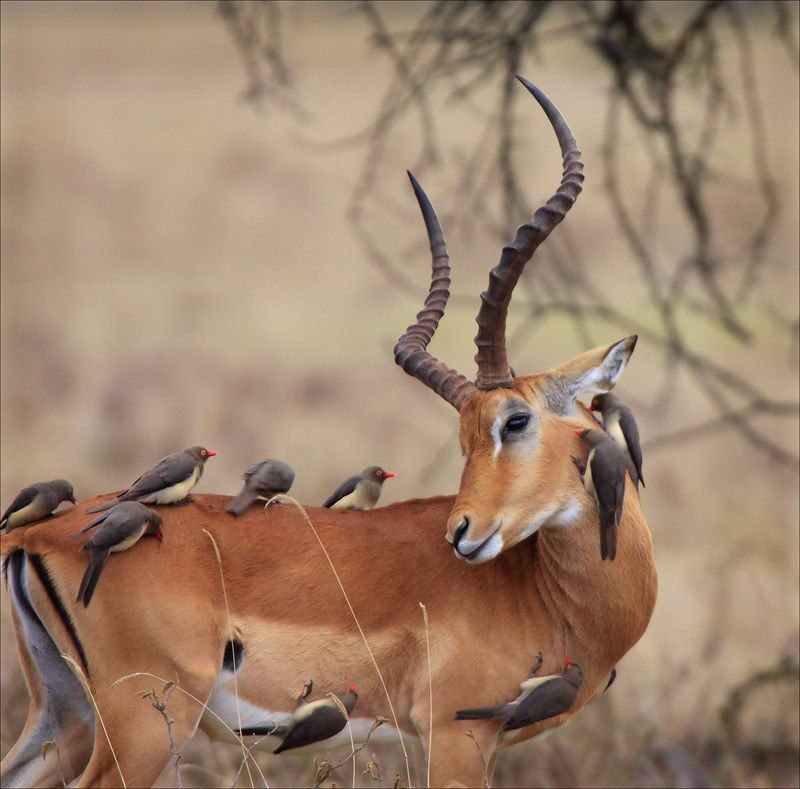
(35, 502)
(359, 492)
(262, 480)
(168, 482)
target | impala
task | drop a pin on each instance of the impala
(518, 572)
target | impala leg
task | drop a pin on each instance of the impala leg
(138, 731)
(455, 758)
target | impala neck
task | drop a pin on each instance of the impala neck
(600, 609)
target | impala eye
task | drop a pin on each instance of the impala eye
(517, 423)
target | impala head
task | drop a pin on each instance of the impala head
(516, 432)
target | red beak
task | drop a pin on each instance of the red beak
(388, 474)
(212, 453)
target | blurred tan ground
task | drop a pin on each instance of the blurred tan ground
(177, 268)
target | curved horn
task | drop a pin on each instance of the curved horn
(493, 367)
(411, 350)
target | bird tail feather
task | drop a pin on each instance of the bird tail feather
(477, 713)
(91, 576)
(106, 505)
(241, 501)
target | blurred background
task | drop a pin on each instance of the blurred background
(208, 237)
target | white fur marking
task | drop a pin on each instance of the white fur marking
(568, 514)
(498, 443)
(491, 548)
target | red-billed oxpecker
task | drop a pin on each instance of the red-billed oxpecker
(316, 721)
(619, 423)
(262, 480)
(121, 527)
(541, 698)
(360, 492)
(604, 477)
(35, 502)
(168, 482)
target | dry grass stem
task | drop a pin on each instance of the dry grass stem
(430, 694)
(301, 508)
(231, 636)
(85, 682)
(46, 746)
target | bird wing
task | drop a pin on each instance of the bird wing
(167, 472)
(117, 528)
(273, 476)
(345, 489)
(630, 430)
(95, 521)
(252, 470)
(325, 722)
(608, 475)
(547, 700)
(23, 499)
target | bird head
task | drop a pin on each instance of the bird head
(64, 490)
(201, 454)
(591, 436)
(572, 672)
(353, 689)
(598, 402)
(154, 527)
(381, 474)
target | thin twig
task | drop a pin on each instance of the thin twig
(161, 707)
(324, 768)
(484, 765)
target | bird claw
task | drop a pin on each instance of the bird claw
(308, 686)
(183, 502)
(537, 664)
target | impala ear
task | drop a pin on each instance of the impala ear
(591, 372)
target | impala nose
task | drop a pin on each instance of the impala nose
(460, 531)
